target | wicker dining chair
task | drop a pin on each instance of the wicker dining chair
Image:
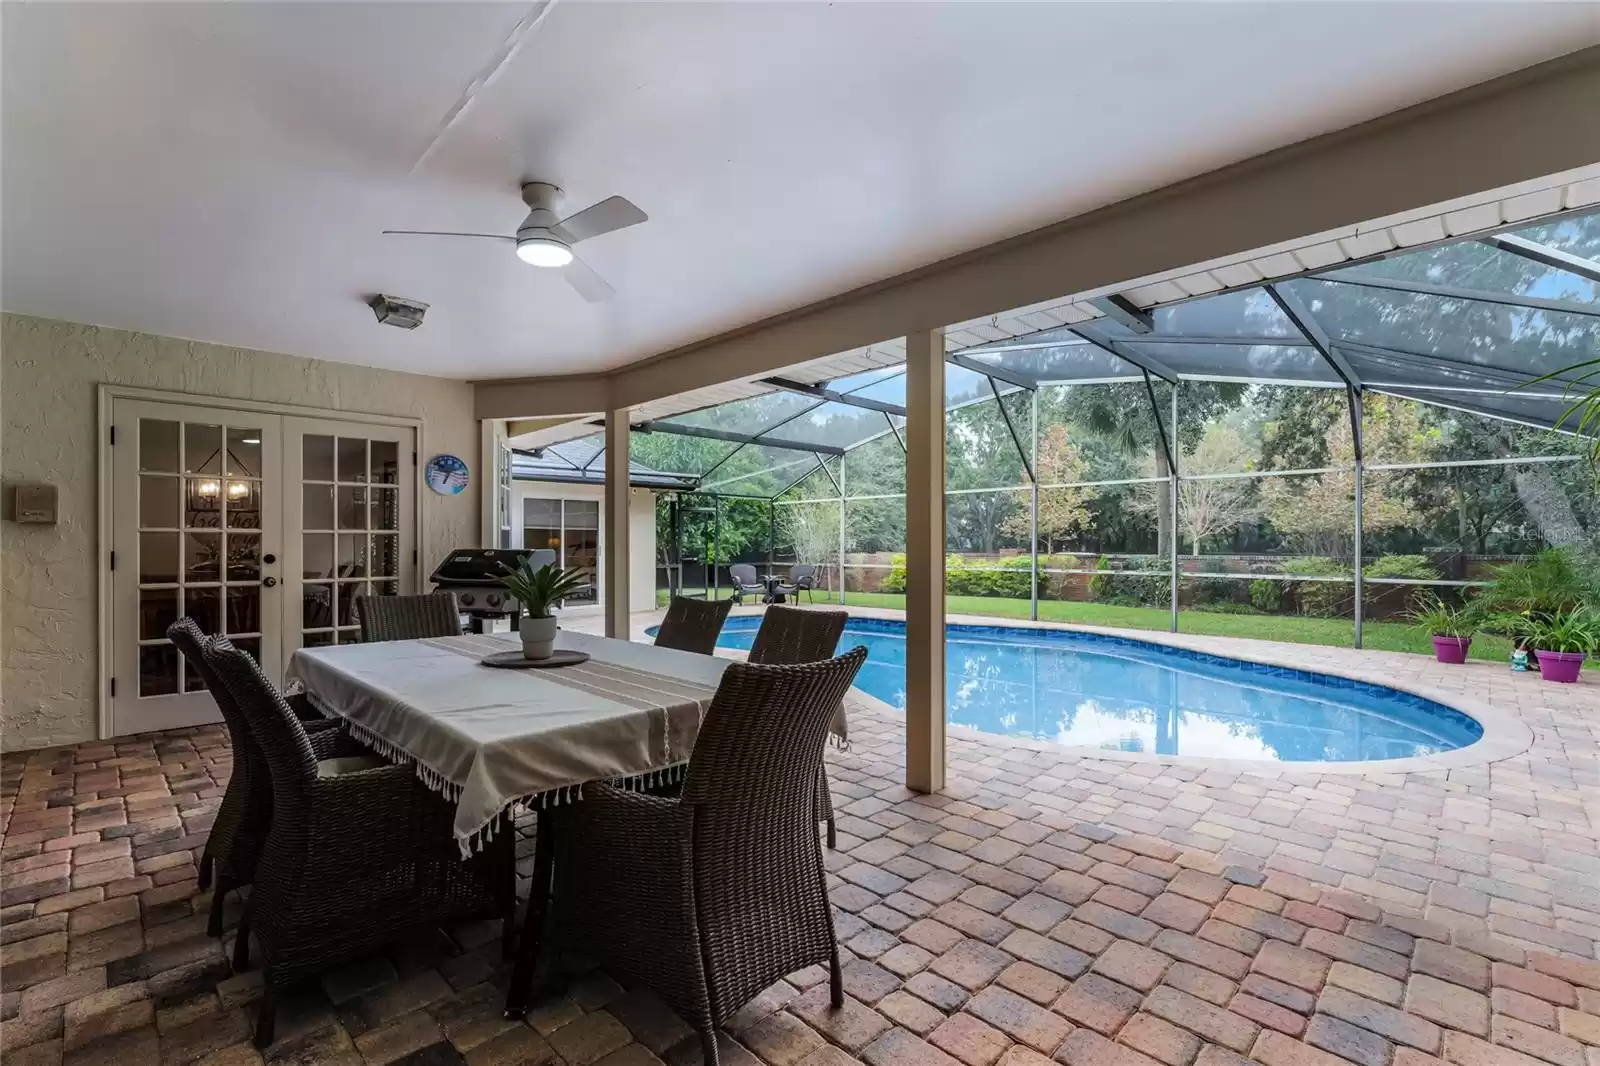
(433, 614)
(354, 857)
(791, 635)
(710, 896)
(240, 827)
(693, 625)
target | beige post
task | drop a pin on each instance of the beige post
(615, 548)
(925, 560)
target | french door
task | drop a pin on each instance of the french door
(259, 526)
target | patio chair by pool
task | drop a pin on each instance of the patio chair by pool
(802, 578)
(789, 635)
(710, 896)
(746, 582)
(693, 625)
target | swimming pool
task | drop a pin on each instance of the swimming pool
(1128, 695)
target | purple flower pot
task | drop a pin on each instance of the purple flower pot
(1451, 649)
(1560, 666)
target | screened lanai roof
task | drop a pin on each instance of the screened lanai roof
(1469, 324)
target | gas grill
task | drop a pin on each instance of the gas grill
(474, 575)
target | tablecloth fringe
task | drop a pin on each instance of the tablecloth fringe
(430, 777)
(555, 797)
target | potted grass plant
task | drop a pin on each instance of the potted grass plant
(1450, 627)
(539, 590)
(1562, 641)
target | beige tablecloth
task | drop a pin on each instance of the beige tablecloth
(489, 738)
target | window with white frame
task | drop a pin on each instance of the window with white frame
(570, 528)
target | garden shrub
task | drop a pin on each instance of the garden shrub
(1320, 599)
(1266, 596)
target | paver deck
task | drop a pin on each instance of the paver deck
(1048, 906)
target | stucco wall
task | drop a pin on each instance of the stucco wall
(641, 534)
(48, 580)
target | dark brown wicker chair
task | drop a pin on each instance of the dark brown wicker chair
(240, 828)
(693, 625)
(352, 859)
(791, 635)
(711, 896)
(434, 614)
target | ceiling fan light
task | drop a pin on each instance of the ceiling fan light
(543, 252)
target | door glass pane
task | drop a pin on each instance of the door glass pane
(158, 609)
(348, 591)
(316, 607)
(158, 445)
(250, 647)
(317, 640)
(158, 670)
(244, 557)
(192, 681)
(204, 605)
(352, 507)
(352, 459)
(202, 448)
(244, 452)
(385, 511)
(318, 555)
(350, 636)
(317, 507)
(244, 609)
(158, 557)
(158, 502)
(202, 556)
(582, 551)
(352, 555)
(202, 503)
(385, 555)
(316, 458)
(385, 462)
(386, 588)
(244, 503)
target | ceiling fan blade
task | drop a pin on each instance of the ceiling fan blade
(438, 233)
(590, 286)
(605, 216)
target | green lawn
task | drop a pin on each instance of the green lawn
(1335, 632)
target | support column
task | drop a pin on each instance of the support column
(1356, 402)
(841, 530)
(925, 560)
(1176, 533)
(616, 508)
(1033, 514)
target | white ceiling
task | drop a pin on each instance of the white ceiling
(222, 171)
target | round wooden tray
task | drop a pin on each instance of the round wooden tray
(513, 660)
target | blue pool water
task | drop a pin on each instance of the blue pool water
(1129, 695)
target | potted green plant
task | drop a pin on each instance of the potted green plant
(1450, 627)
(1562, 641)
(538, 590)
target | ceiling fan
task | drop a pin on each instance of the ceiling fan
(545, 239)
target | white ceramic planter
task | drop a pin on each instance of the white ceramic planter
(538, 637)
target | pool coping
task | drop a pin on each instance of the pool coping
(1505, 735)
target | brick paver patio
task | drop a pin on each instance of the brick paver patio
(1050, 905)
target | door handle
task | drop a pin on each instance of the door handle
(268, 582)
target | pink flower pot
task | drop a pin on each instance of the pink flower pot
(1560, 666)
(1451, 649)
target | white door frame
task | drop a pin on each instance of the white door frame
(105, 395)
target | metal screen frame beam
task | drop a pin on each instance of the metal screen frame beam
(1544, 254)
(1124, 311)
(1120, 350)
(1005, 416)
(1300, 317)
(736, 438)
(1010, 377)
(820, 393)
(1452, 292)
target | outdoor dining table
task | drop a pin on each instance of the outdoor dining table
(489, 739)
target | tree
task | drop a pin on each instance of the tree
(1216, 505)
(1317, 512)
(1062, 511)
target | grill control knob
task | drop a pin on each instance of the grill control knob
(494, 599)
(466, 599)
